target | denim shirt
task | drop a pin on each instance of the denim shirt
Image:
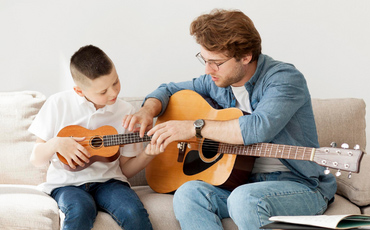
(281, 114)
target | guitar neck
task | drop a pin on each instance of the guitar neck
(123, 139)
(269, 150)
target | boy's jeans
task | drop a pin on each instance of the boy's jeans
(199, 205)
(80, 204)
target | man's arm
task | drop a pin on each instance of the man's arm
(222, 131)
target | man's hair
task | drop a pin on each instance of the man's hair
(91, 62)
(230, 32)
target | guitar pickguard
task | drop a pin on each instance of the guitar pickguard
(197, 161)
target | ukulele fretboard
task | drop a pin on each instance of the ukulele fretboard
(122, 139)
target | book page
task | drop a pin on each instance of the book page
(326, 221)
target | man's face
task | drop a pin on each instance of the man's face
(231, 72)
(103, 90)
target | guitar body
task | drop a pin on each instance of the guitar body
(201, 160)
(93, 143)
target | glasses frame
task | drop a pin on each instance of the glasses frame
(212, 63)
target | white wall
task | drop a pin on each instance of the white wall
(149, 41)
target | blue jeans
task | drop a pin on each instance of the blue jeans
(80, 204)
(199, 205)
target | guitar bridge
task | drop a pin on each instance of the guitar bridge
(182, 149)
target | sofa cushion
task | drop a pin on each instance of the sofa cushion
(160, 209)
(356, 188)
(25, 207)
(343, 121)
(342, 206)
(365, 210)
(17, 111)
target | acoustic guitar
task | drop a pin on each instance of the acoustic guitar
(221, 164)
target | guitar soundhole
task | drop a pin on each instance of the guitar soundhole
(96, 142)
(193, 164)
(209, 148)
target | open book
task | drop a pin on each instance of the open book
(321, 221)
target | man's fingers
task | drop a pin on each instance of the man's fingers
(126, 121)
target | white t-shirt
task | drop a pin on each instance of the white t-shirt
(261, 164)
(67, 108)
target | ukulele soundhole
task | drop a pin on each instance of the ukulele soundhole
(194, 164)
(96, 142)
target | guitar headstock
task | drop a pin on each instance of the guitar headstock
(339, 158)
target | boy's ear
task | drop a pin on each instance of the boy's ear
(78, 90)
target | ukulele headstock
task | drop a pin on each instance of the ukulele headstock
(339, 158)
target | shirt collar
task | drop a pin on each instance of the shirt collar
(84, 102)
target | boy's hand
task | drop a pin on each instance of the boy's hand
(72, 150)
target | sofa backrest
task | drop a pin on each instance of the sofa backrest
(338, 120)
(343, 121)
(17, 111)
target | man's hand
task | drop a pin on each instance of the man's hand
(144, 116)
(167, 132)
(153, 150)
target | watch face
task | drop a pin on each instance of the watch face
(199, 123)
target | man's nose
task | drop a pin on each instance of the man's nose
(209, 69)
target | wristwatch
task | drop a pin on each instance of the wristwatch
(198, 124)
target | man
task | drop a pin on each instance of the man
(277, 98)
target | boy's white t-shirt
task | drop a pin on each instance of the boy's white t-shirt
(261, 164)
(67, 108)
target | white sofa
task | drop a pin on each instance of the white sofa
(22, 206)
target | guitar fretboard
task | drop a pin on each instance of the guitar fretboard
(122, 139)
(269, 150)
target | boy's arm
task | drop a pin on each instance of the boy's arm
(130, 166)
(68, 147)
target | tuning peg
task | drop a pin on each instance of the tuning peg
(344, 146)
(357, 147)
(333, 145)
(349, 175)
(338, 173)
(326, 171)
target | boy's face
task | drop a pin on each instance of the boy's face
(101, 91)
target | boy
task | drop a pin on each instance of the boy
(101, 185)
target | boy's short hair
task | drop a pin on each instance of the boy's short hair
(227, 31)
(91, 62)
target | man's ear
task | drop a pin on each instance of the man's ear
(247, 59)
(78, 90)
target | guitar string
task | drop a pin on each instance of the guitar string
(253, 147)
(250, 150)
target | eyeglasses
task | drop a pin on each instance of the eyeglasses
(214, 64)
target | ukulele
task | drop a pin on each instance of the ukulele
(102, 143)
(221, 164)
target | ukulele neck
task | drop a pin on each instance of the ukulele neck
(123, 139)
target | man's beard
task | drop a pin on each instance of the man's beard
(237, 75)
